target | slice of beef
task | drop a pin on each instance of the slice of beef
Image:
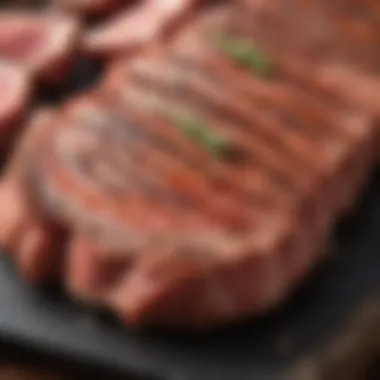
(198, 186)
(15, 91)
(42, 43)
(135, 26)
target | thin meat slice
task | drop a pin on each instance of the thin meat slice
(43, 44)
(15, 91)
(136, 26)
(199, 185)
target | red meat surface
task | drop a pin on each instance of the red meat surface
(199, 184)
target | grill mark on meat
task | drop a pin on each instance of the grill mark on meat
(141, 100)
(126, 155)
(347, 137)
(221, 175)
(253, 154)
(138, 99)
(279, 94)
(135, 213)
(156, 128)
(101, 225)
(98, 175)
(250, 186)
(216, 205)
(296, 92)
(217, 181)
(144, 75)
(273, 97)
(183, 181)
(297, 72)
(318, 31)
(248, 116)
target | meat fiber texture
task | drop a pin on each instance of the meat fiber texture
(345, 33)
(198, 185)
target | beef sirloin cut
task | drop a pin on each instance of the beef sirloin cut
(198, 185)
(42, 43)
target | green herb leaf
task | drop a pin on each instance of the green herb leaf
(219, 145)
(199, 132)
(245, 54)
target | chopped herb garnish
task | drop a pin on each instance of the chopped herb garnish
(245, 54)
(199, 132)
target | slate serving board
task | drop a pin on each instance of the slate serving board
(258, 350)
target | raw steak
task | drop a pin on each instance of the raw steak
(43, 44)
(198, 186)
(137, 25)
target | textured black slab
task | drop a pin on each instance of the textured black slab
(258, 350)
